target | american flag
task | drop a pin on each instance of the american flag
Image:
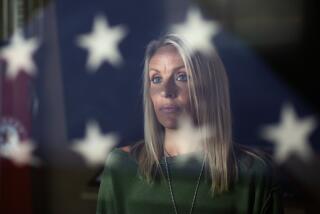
(86, 85)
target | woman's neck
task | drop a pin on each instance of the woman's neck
(170, 145)
(175, 144)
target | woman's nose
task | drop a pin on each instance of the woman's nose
(169, 89)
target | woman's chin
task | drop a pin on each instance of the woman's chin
(169, 124)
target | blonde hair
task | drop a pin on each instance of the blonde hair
(209, 95)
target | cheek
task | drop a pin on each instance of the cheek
(152, 92)
(153, 95)
(184, 96)
(186, 102)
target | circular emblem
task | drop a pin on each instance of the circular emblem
(11, 131)
(13, 144)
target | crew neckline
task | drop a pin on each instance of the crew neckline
(190, 156)
(186, 157)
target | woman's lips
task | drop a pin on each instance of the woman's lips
(169, 109)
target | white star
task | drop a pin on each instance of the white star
(197, 31)
(95, 147)
(18, 55)
(102, 43)
(291, 135)
(20, 153)
(189, 139)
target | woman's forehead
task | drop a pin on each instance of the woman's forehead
(166, 49)
(166, 55)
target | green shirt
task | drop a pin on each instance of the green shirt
(123, 190)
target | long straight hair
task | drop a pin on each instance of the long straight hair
(210, 105)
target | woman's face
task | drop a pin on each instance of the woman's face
(168, 86)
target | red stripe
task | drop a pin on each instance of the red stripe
(15, 182)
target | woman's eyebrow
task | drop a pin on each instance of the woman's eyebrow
(153, 69)
(176, 68)
(179, 67)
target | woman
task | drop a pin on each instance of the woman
(218, 177)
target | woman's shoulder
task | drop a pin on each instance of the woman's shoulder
(253, 161)
(257, 169)
(123, 156)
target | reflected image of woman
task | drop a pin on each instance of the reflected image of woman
(218, 176)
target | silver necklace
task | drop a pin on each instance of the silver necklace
(171, 191)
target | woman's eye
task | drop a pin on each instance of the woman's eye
(156, 79)
(182, 77)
